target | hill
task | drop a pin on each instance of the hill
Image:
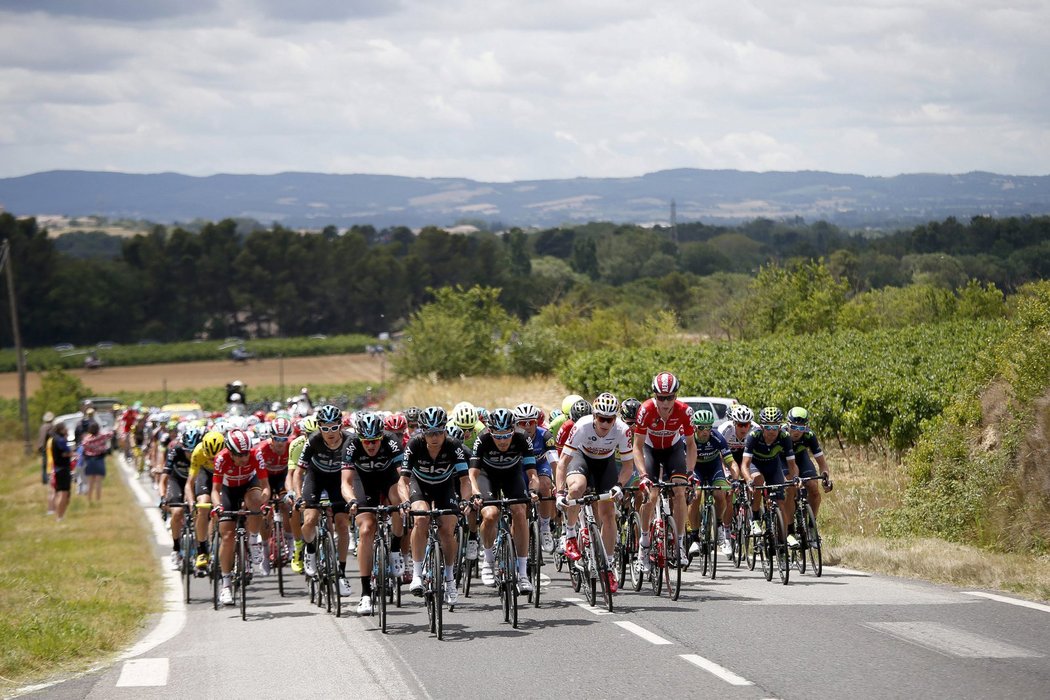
(315, 200)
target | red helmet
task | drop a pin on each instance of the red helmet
(347, 421)
(665, 383)
(281, 427)
(261, 415)
(396, 423)
(238, 443)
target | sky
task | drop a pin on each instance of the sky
(534, 89)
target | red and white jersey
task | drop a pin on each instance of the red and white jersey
(271, 461)
(661, 434)
(728, 431)
(583, 438)
(563, 434)
(231, 474)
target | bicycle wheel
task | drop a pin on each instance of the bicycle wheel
(767, 549)
(590, 573)
(535, 562)
(657, 560)
(603, 569)
(461, 553)
(816, 558)
(511, 582)
(438, 573)
(324, 572)
(241, 569)
(189, 555)
(277, 553)
(213, 566)
(674, 560)
(428, 588)
(742, 528)
(637, 578)
(707, 538)
(379, 583)
(798, 555)
(780, 543)
(333, 575)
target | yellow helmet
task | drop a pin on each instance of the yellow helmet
(568, 401)
(309, 425)
(212, 443)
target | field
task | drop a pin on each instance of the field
(297, 372)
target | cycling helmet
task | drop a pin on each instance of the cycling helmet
(770, 415)
(665, 383)
(466, 416)
(369, 426)
(556, 413)
(211, 443)
(260, 414)
(281, 427)
(629, 410)
(396, 423)
(263, 431)
(483, 414)
(309, 425)
(606, 405)
(412, 414)
(541, 417)
(703, 419)
(252, 421)
(741, 414)
(329, 414)
(433, 419)
(798, 416)
(191, 438)
(454, 431)
(568, 401)
(501, 421)
(579, 409)
(526, 411)
(238, 442)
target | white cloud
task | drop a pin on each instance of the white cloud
(511, 90)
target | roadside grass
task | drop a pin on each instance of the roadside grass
(71, 592)
(866, 484)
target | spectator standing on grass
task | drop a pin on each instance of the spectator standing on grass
(95, 443)
(79, 433)
(41, 443)
(61, 456)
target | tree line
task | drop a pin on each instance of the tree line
(218, 279)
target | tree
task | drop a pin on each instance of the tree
(585, 257)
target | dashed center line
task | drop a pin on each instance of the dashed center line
(713, 668)
(587, 606)
(641, 632)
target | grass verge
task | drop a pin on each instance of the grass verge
(73, 592)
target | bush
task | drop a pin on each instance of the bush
(59, 393)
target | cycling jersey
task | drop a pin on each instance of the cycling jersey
(273, 462)
(488, 456)
(318, 456)
(756, 447)
(660, 433)
(736, 445)
(805, 447)
(177, 462)
(714, 449)
(543, 449)
(563, 434)
(199, 462)
(390, 454)
(229, 473)
(451, 460)
(584, 439)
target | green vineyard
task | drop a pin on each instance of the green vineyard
(876, 386)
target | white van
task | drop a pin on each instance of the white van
(718, 405)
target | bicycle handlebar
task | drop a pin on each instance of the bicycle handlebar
(589, 498)
(505, 502)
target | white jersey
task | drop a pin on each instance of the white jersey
(583, 439)
(728, 431)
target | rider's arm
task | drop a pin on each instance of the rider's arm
(346, 486)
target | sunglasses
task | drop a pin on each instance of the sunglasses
(330, 428)
(666, 397)
(795, 426)
(280, 439)
(527, 423)
(770, 427)
(741, 424)
(502, 436)
(702, 428)
(371, 441)
(432, 433)
(604, 419)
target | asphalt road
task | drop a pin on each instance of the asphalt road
(844, 634)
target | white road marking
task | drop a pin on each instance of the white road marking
(143, 672)
(587, 606)
(851, 572)
(713, 668)
(642, 632)
(1011, 601)
(951, 641)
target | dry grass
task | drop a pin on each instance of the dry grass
(70, 593)
(490, 392)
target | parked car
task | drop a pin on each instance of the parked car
(185, 411)
(718, 405)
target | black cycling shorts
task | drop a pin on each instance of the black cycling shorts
(317, 483)
(277, 482)
(508, 482)
(372, 488)
(202, 484)
(233, 497)
(441, 495)
(176, 488)
(661, 465)
(602, 474)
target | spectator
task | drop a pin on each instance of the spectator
(60, 467)
(41, 443)
(79, 434)
(95, 444)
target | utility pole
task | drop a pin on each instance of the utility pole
(23, 408)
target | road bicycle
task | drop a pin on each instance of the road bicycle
(806, 532)
(665, 556)
(536, 553)
(740, 529)
(277, 546)
(708, 533)
(433, 569)
(188, 544)
(770, 546)
(324, 585)
(384, 583)
(593, 568)
(241, 575)
(505, 566)
(628, 529)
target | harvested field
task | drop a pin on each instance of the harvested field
(297, 371)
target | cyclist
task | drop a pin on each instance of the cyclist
(371, 464)
(712, 454)
(433, 467)
(501, 454)
(199, 479)
(273, 453)
(735, 431)
(765, 450)
(578, 410)
(305, 427)
(527, 419)
(807, 449)
(412, 418)
(563, 414)
(239, 479)
(588, 460)
(396, 426)
(465, 417)
(173, 486)
(321, 464)
(663, 450)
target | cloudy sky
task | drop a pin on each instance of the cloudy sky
(532, 89)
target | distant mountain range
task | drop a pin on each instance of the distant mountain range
(314, 200)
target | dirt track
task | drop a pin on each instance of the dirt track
(298, 371)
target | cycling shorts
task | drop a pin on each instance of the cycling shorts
(176, 488)
(373, 487)
(233, 497)
(440, 495)
(711, 473)
(806, 467)
(277, 482)
(661, 465)
(317, 484)
(771, 471)
(602, 474)
(202, 484)
(508, 482)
